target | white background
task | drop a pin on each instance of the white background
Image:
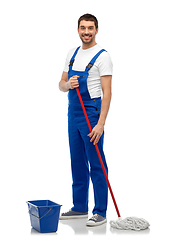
(139, 133)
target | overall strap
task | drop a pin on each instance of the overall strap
(73, 58)
(91, 63)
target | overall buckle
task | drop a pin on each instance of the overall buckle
(89, 66)
(71, 63)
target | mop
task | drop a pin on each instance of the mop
(130, 223)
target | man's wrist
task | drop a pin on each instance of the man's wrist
(68, 85)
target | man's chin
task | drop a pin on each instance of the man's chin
(85, 41)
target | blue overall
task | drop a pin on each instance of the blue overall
(84, 159)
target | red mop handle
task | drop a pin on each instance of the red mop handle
(98, 152)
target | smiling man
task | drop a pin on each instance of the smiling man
(88, 67)
(87, 32)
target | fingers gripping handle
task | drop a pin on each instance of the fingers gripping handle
(98, 153)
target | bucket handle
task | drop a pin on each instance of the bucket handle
(42, 216)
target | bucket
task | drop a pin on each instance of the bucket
(44, 215)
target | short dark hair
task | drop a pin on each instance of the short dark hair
(88, 17)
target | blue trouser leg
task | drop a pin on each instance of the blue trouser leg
(96, 173)
(79, 167)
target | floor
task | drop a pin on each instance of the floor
(78, 228)
(17, 223)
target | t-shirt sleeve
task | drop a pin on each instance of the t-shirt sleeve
(105, 64)
(66, 67)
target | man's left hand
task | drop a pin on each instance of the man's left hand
(96, 133)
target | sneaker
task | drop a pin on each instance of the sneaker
(96, 220)
(73, 215)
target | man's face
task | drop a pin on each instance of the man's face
(87, 31)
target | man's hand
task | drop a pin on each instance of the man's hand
(66, 84)
(74, 83)
(96, 133)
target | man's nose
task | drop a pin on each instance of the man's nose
(86, 31)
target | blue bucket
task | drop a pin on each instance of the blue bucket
(44, 215)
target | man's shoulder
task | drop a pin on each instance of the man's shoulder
(72, 50)
(104, 56)
(104, 53)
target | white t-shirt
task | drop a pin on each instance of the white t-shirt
(102, 66)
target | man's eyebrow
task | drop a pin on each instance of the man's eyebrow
(88, 26)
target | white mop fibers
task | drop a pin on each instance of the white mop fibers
(130, 223)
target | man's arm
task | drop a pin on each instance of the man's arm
(65, 85)
(107, 93)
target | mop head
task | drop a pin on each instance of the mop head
(130, 223)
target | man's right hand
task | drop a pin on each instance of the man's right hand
(74, 83)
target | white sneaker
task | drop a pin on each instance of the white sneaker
(96, 220)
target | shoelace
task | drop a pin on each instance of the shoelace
(67, 211)
(95, 217)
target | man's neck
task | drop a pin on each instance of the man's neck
(90, 45)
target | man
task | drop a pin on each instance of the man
(89, 68)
